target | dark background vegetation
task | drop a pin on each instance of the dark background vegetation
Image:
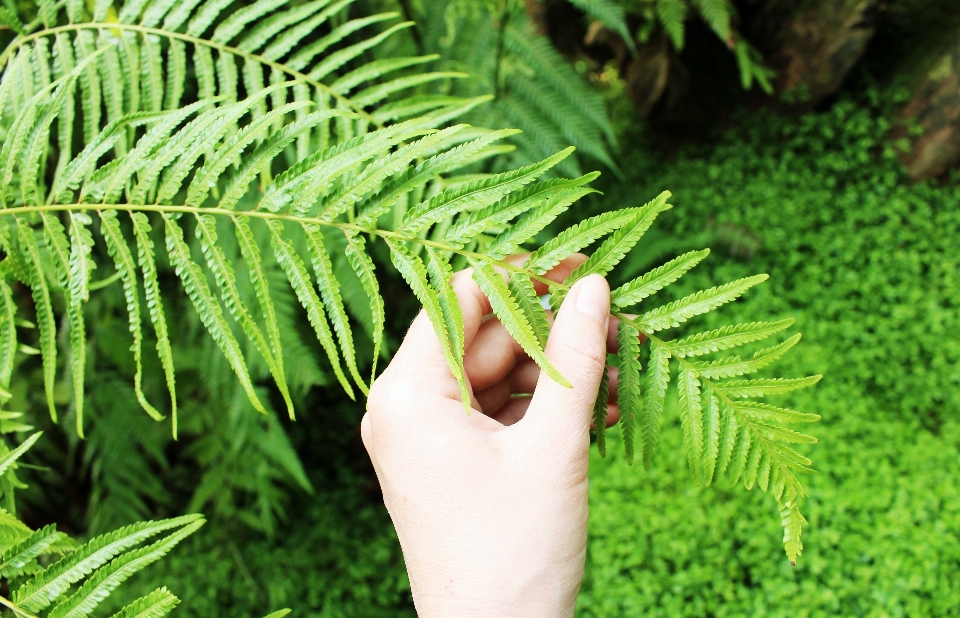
(821, 189)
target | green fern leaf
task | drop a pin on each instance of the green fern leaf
(376, 69)
(11, 458)
(652, 282)
(766, 412)
(658, 376)
(628, 387)
(235, 23)
(57, 243)
(513, 205)
(47, 586)
(765, 386)
(677, 312)
(157, 604)
(414, 273)
(691, 419)
(792, 522)
(300, 281)
(717, 15)
(8, 333)
(672, 14)
(24, 553)
(362, 265)
(711, 439)
(106, 579)
(508, 241)
(124, 263)
(84, 49)
(609, 13)
(207, 306)
(512, 318)
(575, 238)
(727, 337)
(522, 290)
(440, 274)
(223, 274)
(151, 286)
(330, 293)
(45, 319)
(727, 441)
(334, 61)
(292, 36)
(9, 18)
(600, 412)
(734, 366)
(279, 614)
(475, 194)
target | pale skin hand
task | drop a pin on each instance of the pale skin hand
(491, 507)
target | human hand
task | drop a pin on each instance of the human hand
(491, 508)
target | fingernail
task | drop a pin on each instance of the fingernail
(593, 298)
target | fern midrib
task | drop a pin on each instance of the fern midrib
(11, 605)
(270, 216)
(21, 40)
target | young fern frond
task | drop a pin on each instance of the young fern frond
(372, 158)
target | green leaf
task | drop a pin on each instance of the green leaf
(792, 522)
(522, 290)
(440, 274)
(622, 241)
(733, 366)
(765, 386)
(49, 585)
(415, 274)
(45, 319)
(106, 579)
(727, 337)
(8, 333)
(124, 263)
(300, 281)
(279, 613)
(22, 554)
(652, 282)
(330, 293)
(157, 604)
(766, 412)
(609, 13)
(600, 412)
(151, 286)
(226, 280)
(11, 458)
(575, 238)
(628, 386)
(207, 306)
(362, 265)
(475, 194)
(658, 376)
(711, 438)
(691, 419)
(672, 14)
(679, 311)
(505, 307)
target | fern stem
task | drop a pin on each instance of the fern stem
(21, 40)
(270, 216)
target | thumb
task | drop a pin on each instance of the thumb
(577, 347)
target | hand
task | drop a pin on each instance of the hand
(491, 507)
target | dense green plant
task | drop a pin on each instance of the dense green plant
(369, 166)
(669, 16)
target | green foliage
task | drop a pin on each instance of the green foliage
(534, 88)
(866, 261)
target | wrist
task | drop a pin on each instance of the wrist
(441, 606)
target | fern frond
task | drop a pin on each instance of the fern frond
(21, 555)
(513, 319)
(765, 386)
(711, 438)
(677, 312)
(157, 604)
(300, 281)
(48, 585)
(575, 238)
(45, 319)
(672, 14)
(652, 282)
(8, 333)
(727, 337)
(717, 15)
(440, 274)
(106, 579)
(691, 419)
(658, 376)
(734, 366)
(610, 14)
